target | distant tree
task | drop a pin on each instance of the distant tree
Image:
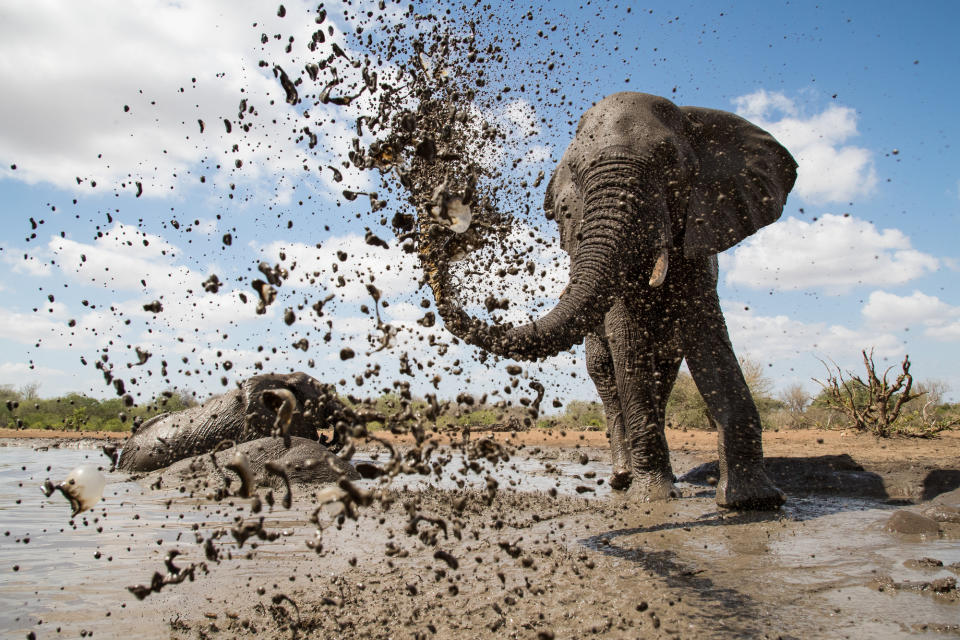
(755, 375)
(175, 399)
(585, 414)
(686, 408)
(30, 391)
(933, 391)
(796, 398)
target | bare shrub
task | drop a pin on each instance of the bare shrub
(876, 405)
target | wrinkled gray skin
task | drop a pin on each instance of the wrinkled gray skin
(241, 415)
(643, 176)
(306, 462)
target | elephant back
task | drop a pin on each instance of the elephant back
(742, 184)
(174, 436)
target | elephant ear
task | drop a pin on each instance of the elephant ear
(743, 181)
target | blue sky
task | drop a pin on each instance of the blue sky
(864, 256)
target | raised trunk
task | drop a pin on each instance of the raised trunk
(611, 206)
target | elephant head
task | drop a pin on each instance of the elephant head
(641, 180)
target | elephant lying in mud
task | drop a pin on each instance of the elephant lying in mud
(646, 185)
(292, 406)
(268, 462)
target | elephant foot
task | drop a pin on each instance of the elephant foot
(621, 480)
(652, 488)
(749, 491)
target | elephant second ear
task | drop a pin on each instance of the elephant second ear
(743, 182)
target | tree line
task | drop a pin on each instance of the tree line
(875, 402)
(24, 409)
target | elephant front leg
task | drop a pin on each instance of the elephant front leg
(600, 368)
(638, 388)
(744, 483)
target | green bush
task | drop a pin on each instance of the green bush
(77, 412)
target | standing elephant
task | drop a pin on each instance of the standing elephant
(646, 195)
(291, 405)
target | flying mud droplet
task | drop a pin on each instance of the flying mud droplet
(83, 487)
(284, 404)
(240, 465)
(212, 284)
(267, 294)
(449, 210)
(292, 96)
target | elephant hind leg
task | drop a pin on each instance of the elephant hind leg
(744, 483)
(600, 368)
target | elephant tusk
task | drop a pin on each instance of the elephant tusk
(659, 273)
(284, 403)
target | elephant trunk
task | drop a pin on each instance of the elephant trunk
(609, 228)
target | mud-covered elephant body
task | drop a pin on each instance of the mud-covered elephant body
(646, 195)
(267, 462)
(289, 405)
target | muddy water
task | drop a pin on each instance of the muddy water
(814, 569)
(72, 575)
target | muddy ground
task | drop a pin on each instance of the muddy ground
(585, 563)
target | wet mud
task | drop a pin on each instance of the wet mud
(552, 552)
(530, 565)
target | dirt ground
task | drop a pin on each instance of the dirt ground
(792, 443)
(516, 561)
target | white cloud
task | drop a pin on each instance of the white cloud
(529, 296)
(519, 118)
(17, 374)
(395, 273)
(946, 332)
(52, 330)
(25, 264)
(65, 88)
(940, 320)
(829, 170)
(758, 104)
(518, 121)
(126, 260)
(835, 253)
(775, 338)
(405, 312)
(121, 258)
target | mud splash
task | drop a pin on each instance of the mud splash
(534, 559)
